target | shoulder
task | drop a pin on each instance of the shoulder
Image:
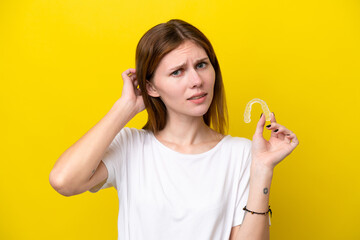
(238, 148)
(133, 132)
(129, 134)
(238, 142)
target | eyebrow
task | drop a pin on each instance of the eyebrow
(184, 64)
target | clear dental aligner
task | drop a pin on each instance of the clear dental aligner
(264, 107)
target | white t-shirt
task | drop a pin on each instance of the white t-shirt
(164, 194)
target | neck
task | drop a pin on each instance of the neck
(185, 130)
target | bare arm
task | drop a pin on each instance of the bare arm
(78, 169)
(265, 156)
(256, 226)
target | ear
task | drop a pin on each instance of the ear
(151, 90)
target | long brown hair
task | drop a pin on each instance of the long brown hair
(152, 47)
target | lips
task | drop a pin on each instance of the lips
(197, 96)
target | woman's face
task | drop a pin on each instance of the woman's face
(184, 80)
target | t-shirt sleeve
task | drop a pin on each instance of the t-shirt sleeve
(115, 157)
(243, 184)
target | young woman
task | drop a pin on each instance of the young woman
(179, 177)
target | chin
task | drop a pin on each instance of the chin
(200, 112)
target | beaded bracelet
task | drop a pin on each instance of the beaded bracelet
(264, 213)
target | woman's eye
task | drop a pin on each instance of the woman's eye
(176, 73)
(202, 65)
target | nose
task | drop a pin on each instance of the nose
(194, 79)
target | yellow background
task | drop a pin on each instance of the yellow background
(60, 71)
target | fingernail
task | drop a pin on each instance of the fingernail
(268, 126)
(273, 114)
(261, 115)
(276, 130)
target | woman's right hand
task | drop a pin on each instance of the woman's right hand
(131, 94)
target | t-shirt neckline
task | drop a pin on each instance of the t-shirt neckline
(188, 155)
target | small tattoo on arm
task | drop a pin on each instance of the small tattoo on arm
(266, 190)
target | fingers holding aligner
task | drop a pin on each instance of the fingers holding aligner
(279, 131)
(275, 130)
(294, 140)
(272, 126)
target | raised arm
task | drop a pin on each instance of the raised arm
(265, 156)
(78, 169)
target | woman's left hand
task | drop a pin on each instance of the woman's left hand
(281, 143)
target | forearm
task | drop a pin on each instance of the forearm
(77, 164)
(256, 226)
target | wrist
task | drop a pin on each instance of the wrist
(258, 170)
(126, 108)
(121, 113)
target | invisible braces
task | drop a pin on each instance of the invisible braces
(264, 107)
